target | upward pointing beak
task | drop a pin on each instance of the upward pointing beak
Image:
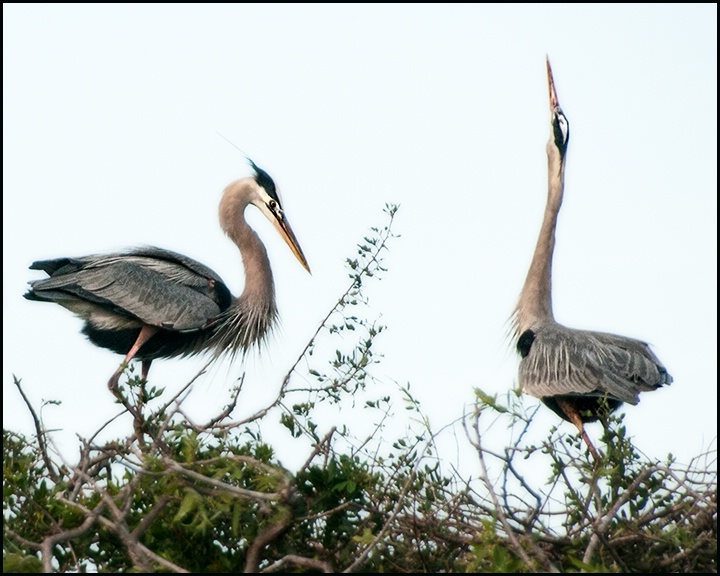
(551, 87)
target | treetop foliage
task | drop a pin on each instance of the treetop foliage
(176, 495)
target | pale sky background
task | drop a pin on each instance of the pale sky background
(111, 115)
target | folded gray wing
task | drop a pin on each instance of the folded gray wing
(563, 361)
(155, 286)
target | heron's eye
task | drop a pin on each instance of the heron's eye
(274, 206)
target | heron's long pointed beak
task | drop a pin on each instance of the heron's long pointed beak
(283, 226)
(551, 87)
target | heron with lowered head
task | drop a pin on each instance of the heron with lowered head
(148, 303)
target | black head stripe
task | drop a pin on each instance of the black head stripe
(561, 130)
(264, 180)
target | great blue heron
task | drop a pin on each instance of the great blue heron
(579, 374)
(149, 303)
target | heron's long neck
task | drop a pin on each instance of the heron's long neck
(259, 290)
(259, 285)
(535, 303)
(252, 315)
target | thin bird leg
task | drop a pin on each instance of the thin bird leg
(575, 418)
(146, 333)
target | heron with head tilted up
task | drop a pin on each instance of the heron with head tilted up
(149, 303)
(581, 375)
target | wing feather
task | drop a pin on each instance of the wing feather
(152, 285)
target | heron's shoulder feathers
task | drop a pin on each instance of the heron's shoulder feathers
(560, 360)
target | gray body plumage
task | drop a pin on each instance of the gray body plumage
(118, 293)
(587, 367)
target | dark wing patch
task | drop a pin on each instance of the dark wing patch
(525, 342)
